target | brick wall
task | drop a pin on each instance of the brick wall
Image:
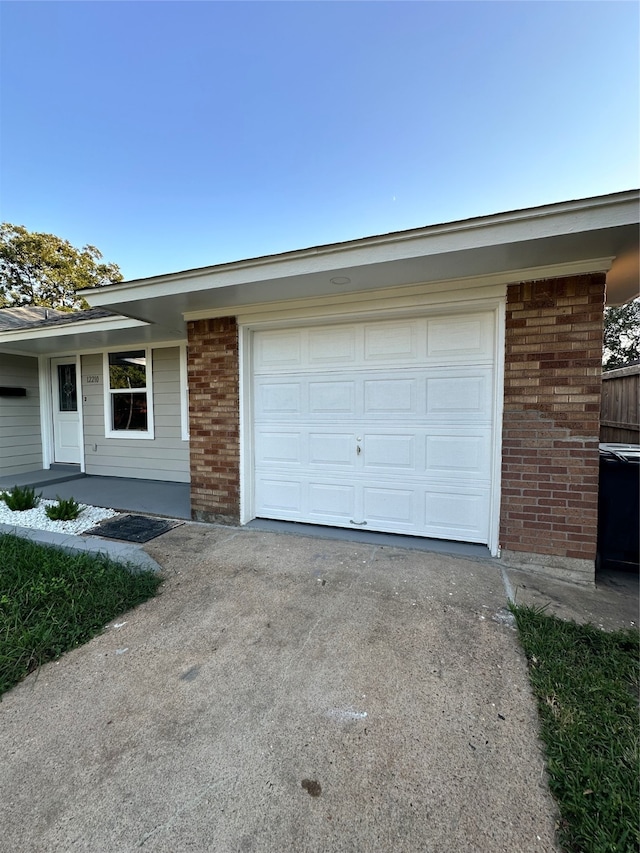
(214, 418)
(551, 417)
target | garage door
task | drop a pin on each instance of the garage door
(381, 425)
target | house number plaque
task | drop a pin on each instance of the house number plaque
(92, 380)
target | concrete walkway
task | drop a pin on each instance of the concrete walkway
(42, 477)
(285, 693)
(124, 552)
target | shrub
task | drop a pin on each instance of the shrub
(21, 498)
(65, 510)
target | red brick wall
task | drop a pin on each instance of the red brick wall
(214, 418)
(551, 416)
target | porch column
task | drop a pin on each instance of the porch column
(214, 419)
(553, 367)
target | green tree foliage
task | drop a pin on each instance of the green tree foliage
(127, 377)
(42, 269)
(621, 335)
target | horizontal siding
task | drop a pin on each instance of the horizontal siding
(166, 457)
(17, 418)
(138, 472)
(145, 449)
(20, 436)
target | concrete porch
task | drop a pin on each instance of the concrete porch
(154, 497)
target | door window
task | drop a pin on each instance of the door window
(67, 388)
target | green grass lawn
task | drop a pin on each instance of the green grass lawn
(586, 684)
(51, 601)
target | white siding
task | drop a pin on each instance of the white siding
(20, 437)
(165, 457)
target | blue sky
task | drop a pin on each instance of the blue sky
(177, 135)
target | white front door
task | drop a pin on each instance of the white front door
(383, 425)
(66, 417)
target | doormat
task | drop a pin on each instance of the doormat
(133, 528)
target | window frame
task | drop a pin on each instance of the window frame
(184, 394)
(136, 435)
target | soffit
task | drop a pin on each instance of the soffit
(81, 337)
(215, 290)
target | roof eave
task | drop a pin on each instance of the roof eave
(497, 229)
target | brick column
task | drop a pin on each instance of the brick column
(214, 419)
(553, 358)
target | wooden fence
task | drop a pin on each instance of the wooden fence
(620, 412)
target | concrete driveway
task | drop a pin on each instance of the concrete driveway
(284, 694)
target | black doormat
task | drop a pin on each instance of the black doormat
(133, 528)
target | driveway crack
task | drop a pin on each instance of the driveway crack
(300, 651)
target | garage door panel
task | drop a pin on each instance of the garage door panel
(393, 506)
(284, 398)
(278, 349)
(331, 397)
(279, 448)
(336, 345)
(332, 502)
(388, 451)
(276, 496)
(391, 341)
(458, 455)
(439, 511)
(458, 396)
(417, 341)
(332, 450)
(390, 396)
(460, 338)
(456, 514)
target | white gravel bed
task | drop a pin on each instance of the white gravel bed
(37, 518)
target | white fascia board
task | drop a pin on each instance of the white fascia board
(104, 348)
(566, 218)
(59, 331)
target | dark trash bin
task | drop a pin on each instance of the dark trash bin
(619, 507)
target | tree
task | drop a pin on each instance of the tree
(621, 335)
(42, 269)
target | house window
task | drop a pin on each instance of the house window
(128, 394)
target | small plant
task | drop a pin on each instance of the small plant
(65, 510)
(21, 498)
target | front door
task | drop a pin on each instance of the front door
(66, 418)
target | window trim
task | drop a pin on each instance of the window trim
(184, 394)
(136, 435)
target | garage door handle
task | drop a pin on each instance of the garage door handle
(358, 450)
(358, 523)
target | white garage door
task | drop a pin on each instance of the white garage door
(382, 425)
